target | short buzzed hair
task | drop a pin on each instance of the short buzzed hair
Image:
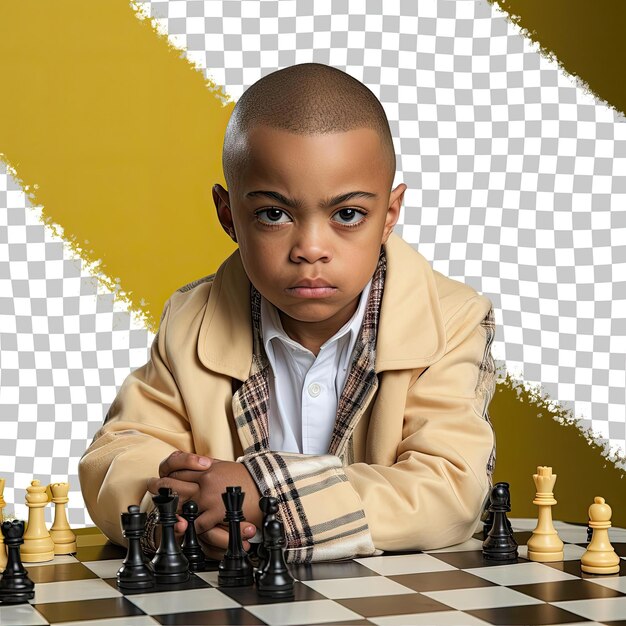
(305, 99)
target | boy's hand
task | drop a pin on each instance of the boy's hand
(179, 531)
(204, 480)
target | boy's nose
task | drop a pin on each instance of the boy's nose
(310, 246)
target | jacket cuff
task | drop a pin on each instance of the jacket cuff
(322, 513)
(147, 541)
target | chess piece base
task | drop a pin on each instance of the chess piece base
(276, 593)
(235, 581)
(65, 548)
(545, 557)
(135, 577)
(16, 597)
(143, 584)
(171, 579)
(40, 557)
(610, 569)
(504, 556)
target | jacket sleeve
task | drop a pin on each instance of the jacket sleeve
(432, 496)
(145, 423)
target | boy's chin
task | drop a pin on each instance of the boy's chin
(311, 312)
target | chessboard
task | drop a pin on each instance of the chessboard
(451, 586)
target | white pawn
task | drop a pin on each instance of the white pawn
(38, 545)
(600, 557)
(545, 545)
(62, 536)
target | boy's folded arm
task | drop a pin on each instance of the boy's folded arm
(146, 422)
(432, 495)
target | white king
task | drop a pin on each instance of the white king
(545, 545)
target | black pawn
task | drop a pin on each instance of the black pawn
(15, 585)
(191, 547)
(135, 572)
(262, 551)
(235, 569)
(275, 581)
(487, 524)
(169, 564)
(589, 534)
(500, 544)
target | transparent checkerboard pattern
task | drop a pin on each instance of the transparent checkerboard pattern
(515, 173)
(66, 345)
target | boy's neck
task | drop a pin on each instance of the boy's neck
(312, 335)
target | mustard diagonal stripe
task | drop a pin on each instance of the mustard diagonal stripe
(122, 137)
(586, 38)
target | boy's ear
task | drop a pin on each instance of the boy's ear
(393, 212)
(224, 214)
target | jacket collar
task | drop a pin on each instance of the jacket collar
(225, 337)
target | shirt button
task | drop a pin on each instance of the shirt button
(314, 390)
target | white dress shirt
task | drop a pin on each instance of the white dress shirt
(305, 389)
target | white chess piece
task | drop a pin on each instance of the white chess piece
(600, 557)
(61, 533)
(38, 545)
(545, 545)
(3, 553)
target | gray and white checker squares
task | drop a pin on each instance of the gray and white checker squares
(516, 176)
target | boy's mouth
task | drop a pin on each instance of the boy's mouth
(311, 288)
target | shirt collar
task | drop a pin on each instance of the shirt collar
(272, 328)
(225, 341)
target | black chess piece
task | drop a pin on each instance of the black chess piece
(235, 569)
(275, 580)
(262, 551)
(15, 585)
(500, 545)
(169, 564)
(589, 534)
(487, 524)
(191, 547)
(135, 572)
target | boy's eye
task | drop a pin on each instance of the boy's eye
(348, 216)
(272, 216)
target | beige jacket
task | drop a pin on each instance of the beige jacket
(411, 469)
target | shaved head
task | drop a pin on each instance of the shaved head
(305, 99)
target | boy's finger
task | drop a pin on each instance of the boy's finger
(185, 490)
(183, 460)
(208, 520)
(179, 529)
(215, 541)
(190, 476)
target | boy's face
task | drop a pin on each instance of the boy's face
(311, 260)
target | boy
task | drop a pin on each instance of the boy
(325, 363)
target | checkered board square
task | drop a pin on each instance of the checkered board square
(450, 586)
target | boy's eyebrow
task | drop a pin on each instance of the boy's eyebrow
(297, 204)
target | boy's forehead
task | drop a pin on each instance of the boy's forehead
(265, 138)
(275, 154)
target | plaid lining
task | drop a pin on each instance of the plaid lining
(316, 479)
(195, 283)
(485, 386)
(335, 526)
(318, 484)
(362, 375)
